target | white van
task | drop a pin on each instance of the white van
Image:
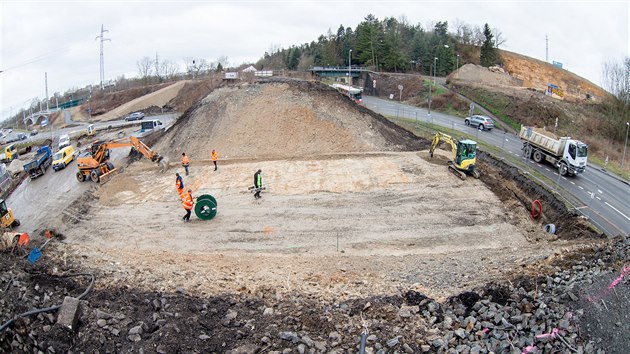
(64, 140)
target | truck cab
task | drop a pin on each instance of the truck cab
(576, 153)
(9, 153)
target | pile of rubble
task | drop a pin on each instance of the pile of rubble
(581, 305)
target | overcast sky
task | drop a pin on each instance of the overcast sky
(58, 37)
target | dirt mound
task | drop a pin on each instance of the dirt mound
(191, 93)
(282, 119)
(482, 75)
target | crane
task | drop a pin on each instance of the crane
(94, 162)
(464, 155)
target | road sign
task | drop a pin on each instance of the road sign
(400, 87)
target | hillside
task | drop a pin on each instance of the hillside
(244, 121)
(537, 74)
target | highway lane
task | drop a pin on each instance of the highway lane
(81, 127)
(603, 198)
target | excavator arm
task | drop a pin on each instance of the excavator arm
(138, 145)
(97, 167)
(443, 137)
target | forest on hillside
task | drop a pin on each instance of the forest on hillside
(392, 45)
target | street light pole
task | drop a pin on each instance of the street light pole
(625, 145)
(434, 69)
(429, 91)
(349, 65)
(434, 63)
(457, 66)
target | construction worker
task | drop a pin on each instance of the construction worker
(215, 157)
(187, 203)
(179, 184)
(185, 162)
(257, 184)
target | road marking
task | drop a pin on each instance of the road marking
(564, 178)
(598, 198)
(600, 191)
(573, 183)
(548, 170)
(615, 209)
(582, 207)
(511, 152)
(581, 187)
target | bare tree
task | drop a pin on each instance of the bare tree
(616, 78)
(499, 39)
(478, 36)
(169, 69)
(145, 66)
(223, 60)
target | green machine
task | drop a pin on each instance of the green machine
(206, 207)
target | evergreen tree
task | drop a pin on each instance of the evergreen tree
(489, 53)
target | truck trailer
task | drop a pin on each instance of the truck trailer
(566, 154)
(40, 162)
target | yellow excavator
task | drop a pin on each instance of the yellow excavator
(8, 220)
(94, 162)
(464, 155)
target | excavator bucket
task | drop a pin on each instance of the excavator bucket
(107, 176)
(163, 165)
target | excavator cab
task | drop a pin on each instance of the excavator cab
(8, 220)
(466, 152)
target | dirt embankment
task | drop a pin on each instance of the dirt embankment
(537, 74)
(281, 119)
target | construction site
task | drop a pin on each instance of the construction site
(361, 242)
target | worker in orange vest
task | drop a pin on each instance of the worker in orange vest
(215, 157)
(185, 162)
(179, 184)
(187, 203)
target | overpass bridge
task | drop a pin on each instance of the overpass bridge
(35, 117)
(337, 71)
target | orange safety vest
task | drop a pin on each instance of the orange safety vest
(215, 156)
(185, 160)
(187, 201)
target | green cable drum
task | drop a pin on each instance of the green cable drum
(206, 207)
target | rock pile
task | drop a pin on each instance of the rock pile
(558, 312)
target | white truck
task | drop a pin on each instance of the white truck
(566, 154)
(149, 127)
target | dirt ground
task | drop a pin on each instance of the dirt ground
(354, 208)
(318, 220)
(343, 193)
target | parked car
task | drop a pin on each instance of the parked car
(22, 136)
(134, 116)
(479, 121)
(34, 132)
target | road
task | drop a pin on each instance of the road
(80, 127)
(57, 190)
(603, 198)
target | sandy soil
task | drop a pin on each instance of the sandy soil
(158, 98)
(358, 223)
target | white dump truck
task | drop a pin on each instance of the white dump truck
(566, 154)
